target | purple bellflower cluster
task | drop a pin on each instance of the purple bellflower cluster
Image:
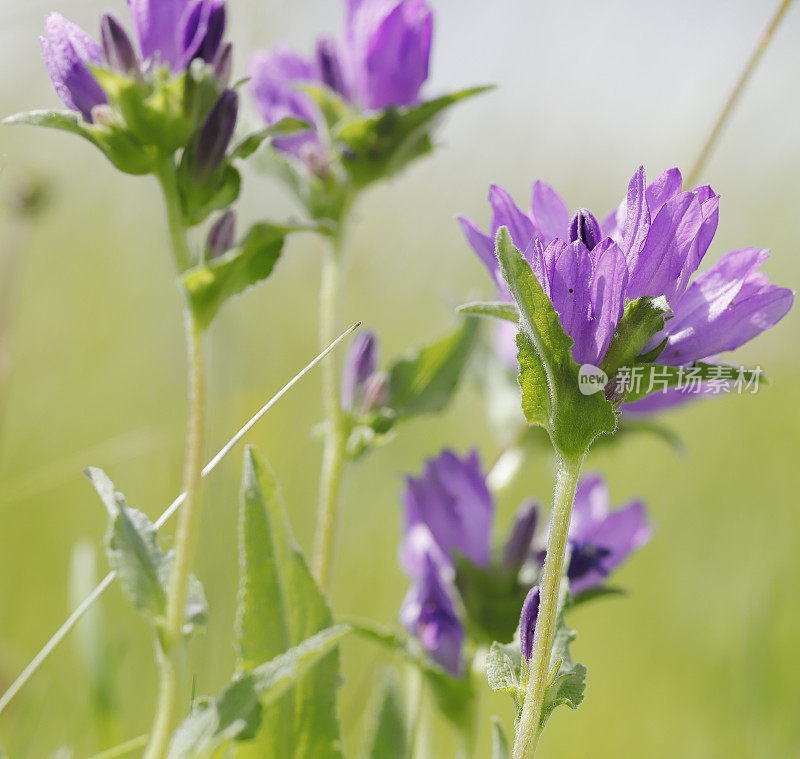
(380, 61)
(169, 33)
(652, 244)
(450, 513)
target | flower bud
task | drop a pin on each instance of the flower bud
(376, 392)
(329, 66)
(584, 227)
(359, 364)
(527, 622)
(518, 545)
(215, 136)
(117, 46)
(223, 65)
(221, 237)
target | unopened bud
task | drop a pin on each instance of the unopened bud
(221, 237)
(216, 134)
(527, 622)
(584, 227)
(117, 46)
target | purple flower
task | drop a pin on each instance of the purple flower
(652, 244)
(175, 32)
(527, 622)
(451, 499)
(387, 46)
(67, 50)
(381, 61)
(172, 32)
(428, 612)
(601, 539)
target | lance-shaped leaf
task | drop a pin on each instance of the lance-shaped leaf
(333, 107)
(118, 145)
(284, 127)
(246, 705)
(641, 320)
(387, 736)
(281, 605)
(377, 146)
(211, 284)
(500, 748)
(499, 310)
(424, 381)
(574, 420)
(142, 567)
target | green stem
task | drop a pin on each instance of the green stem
(763, 42)
(167, 177)
(171, 643)
(333, 457)
(566, 482)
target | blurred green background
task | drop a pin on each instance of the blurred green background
(701, 660)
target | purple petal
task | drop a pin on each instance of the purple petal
(659, 269)
(273, 76)
(453, 501)
(428, 612)
(637, 216)
(201, 30)
(483, 245)
(584, 227)
(388, 44)
(665, 187)
(157, 24)
(506, 213)
(549, 212)
(609, 286)
(590, 508)
(570, 292)
(67, 49)
(622, 532)
(724, 307)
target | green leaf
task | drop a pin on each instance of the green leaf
(574, 420)
(503, 663)
(211, 284)
(536, 401)
(112, 139)
(641, 320)
(284, 127)
(567, 681)
(379, 145)
(280, 605)
(507, 311)
(388, 736)
(500, 748)
(245, 707)
(424, 381)
(492, 599)
(454, 696)
(642, 380)
(142, 567)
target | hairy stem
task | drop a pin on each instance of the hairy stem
(171, 644)
(528, 729)
(333, 457)
(763, 42)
